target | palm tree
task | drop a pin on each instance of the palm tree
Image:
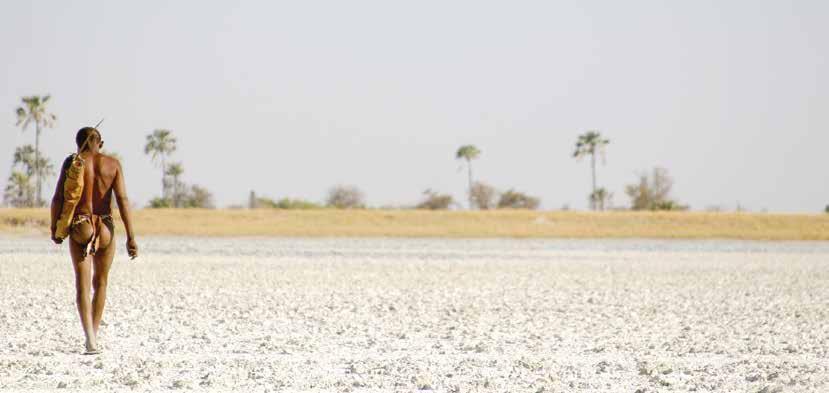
(34, 111)
(468, 153)
(160, 144)
(27, 157)
(175, 170)
(590, 143)
(601, 198)
(18, 192)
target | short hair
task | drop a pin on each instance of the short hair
(83, 133)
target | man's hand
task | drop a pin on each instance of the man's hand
(132, 248)
(55, 239)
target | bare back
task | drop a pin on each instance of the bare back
(100, 174)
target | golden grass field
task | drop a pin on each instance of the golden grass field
(451, 224)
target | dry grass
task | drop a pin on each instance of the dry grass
(416, 223)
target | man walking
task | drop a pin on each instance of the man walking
(91, 232)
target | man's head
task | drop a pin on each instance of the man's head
(95, 141)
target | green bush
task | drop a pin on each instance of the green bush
(435, 201)
(287, 203)
(345, 197)
(512, 199)
(483, 196)
(669, 205)
(194, 197)
(652, 192)
(160, 203)
(198, 197)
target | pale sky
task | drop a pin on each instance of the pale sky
(290, 98)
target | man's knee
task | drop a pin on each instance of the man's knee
(99, 282)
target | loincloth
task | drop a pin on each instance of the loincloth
(96, 220)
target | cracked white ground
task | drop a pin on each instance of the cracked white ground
(262, 314)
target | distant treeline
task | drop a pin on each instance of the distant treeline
(650, 191)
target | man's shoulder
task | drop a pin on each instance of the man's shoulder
(109, 160)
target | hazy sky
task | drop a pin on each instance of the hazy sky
(289, 98)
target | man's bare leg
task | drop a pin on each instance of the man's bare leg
(103, 260)
(83, 280)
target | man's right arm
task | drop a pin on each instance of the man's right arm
(124, 209)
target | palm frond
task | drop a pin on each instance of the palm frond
(468, 152)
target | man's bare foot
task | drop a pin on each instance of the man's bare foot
(92, 349)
